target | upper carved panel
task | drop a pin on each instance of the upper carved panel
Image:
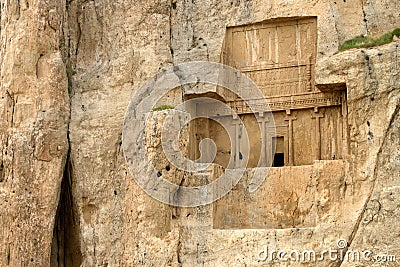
(278, 56)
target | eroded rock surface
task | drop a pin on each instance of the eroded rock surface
(68, 71)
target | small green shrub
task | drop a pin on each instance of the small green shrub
(369, 41)
(352, 43)
(396, 32)
(164, 107)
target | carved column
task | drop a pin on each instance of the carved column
(236, 123)
(265, 150)
(317, 116)
(270, 150)
(290, 119)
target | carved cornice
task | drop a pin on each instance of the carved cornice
(300, 101)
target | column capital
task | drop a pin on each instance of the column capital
(290, 118)
(316, 115)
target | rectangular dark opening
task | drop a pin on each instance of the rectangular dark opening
(279, 157)
(279, 160)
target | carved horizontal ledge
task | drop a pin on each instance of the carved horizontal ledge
(301, 101)
(274, 66)
(331, 87)
(281, 103)
(273, 24)
(287, 82)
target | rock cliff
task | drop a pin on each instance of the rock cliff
(68, 71)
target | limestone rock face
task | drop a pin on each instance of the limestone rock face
(35, 109)
(67, 198)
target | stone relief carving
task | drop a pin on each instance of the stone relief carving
(310, 125)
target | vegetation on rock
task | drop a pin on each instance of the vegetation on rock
(164, 107)
(369, 41)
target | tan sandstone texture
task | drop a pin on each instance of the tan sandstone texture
(68, 70)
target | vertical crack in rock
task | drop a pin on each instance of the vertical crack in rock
(79, 34)
(2, 172)
(179, 247)
(394, 116)
(39, 73)
(18, 10)
(335, 16)
(365, 16)
(371, 83)
(65, 249)
(171, 10)
(11, 107)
